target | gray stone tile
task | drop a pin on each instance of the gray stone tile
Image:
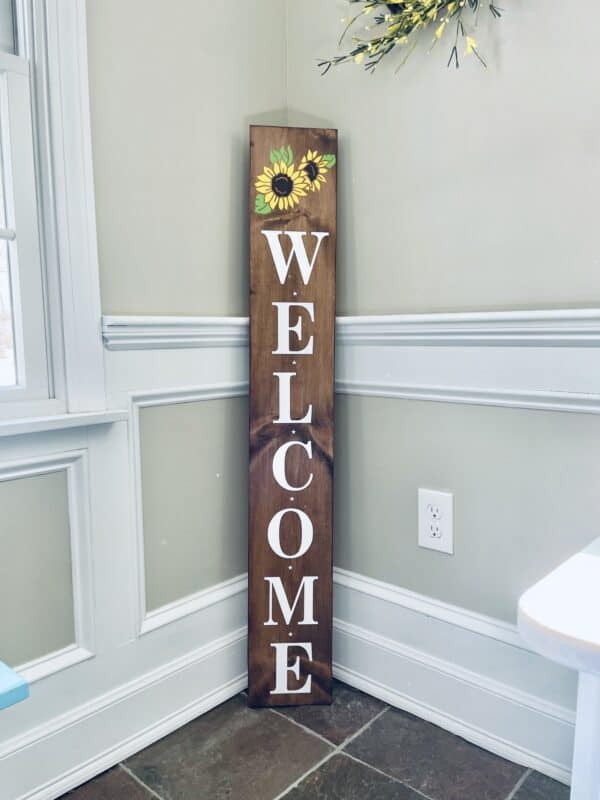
(342, 778)
(112, 785)
(232, 752)
(433, 761)
(349, 711)
(539, 787)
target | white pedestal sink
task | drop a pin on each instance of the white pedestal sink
(559, 617)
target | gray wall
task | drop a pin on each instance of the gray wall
(36, 595)
(473, 190)
(194, 491)
(525, 487)
(173, 87)
(470, 189)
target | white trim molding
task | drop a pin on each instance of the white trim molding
(430, 607)
(74, 463)
(193, 603)
(148, 621)
(53, 37)
(546, 360)
(558, 328)
(467, 673)
(160, 333)
(58, 755)
(52, 663)
(574, 402)
(59, 422)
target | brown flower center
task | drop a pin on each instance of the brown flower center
(282, 185)
(312, 170)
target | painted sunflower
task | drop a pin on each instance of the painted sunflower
(315, 167)
(282, 186)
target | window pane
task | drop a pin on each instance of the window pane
(8, 375)
(7, 34)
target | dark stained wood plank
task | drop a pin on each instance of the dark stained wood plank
(312, 210)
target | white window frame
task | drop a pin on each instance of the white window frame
(51, 35)
(21, 235)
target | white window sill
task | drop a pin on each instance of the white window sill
(17, 427)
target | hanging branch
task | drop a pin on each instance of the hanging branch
(400, 24)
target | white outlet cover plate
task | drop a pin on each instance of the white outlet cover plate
(436, 508)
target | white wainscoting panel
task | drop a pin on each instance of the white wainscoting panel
(74, 464)
(186, 605)
(72, 748)
(468, 674)
(115, 690)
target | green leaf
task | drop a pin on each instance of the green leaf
(261, 206)
(329, 159)
(290, 155)
(275, 156)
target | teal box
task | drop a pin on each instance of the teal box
(13, 688)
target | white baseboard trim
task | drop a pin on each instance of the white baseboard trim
(462, 671)
(465, 672)
(53, 758)
(472, 733)
(125, 749)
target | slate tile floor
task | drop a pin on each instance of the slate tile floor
(357, 749)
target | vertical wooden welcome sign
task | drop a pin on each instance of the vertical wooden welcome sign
(292, 328)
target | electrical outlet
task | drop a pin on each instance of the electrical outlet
(436, 517)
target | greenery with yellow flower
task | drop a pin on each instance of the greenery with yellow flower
(399, 25)
(280, 186)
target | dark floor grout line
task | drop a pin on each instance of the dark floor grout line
(364, 728)
(385, 775)
(140, 782)
(308, 772)
(330, 755)
(519, 783)
(300, 725)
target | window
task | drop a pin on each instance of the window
(24, 371)
(51, 354)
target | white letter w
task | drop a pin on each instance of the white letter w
(297, 239)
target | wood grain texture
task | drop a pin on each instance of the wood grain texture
(313, 384)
